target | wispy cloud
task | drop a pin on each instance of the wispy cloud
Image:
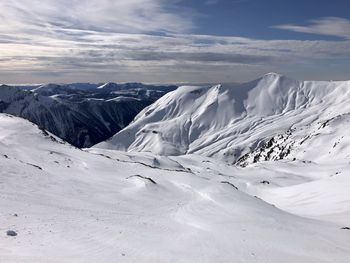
(136, 40)
(132, 16)
(331, 26)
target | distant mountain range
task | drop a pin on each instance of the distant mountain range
(81, 114)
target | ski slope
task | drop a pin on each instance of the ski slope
(69, 205)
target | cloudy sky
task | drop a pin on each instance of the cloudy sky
(172, 41)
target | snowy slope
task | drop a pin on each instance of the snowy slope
(69, 205)
(324, 141)
(233, 122)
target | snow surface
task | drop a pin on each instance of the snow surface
(69, 205)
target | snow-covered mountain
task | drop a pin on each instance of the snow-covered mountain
(82, 115)
(270, 118)
(69, 205)
(175, 195)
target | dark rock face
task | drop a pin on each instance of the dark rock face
(81, 116)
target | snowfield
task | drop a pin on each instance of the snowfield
(174, 195)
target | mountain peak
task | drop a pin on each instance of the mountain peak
(108, 85)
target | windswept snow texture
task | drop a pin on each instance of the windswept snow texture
(69, 205)
(271, 118)
(81, 114)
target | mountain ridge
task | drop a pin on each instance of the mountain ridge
(231, 121)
